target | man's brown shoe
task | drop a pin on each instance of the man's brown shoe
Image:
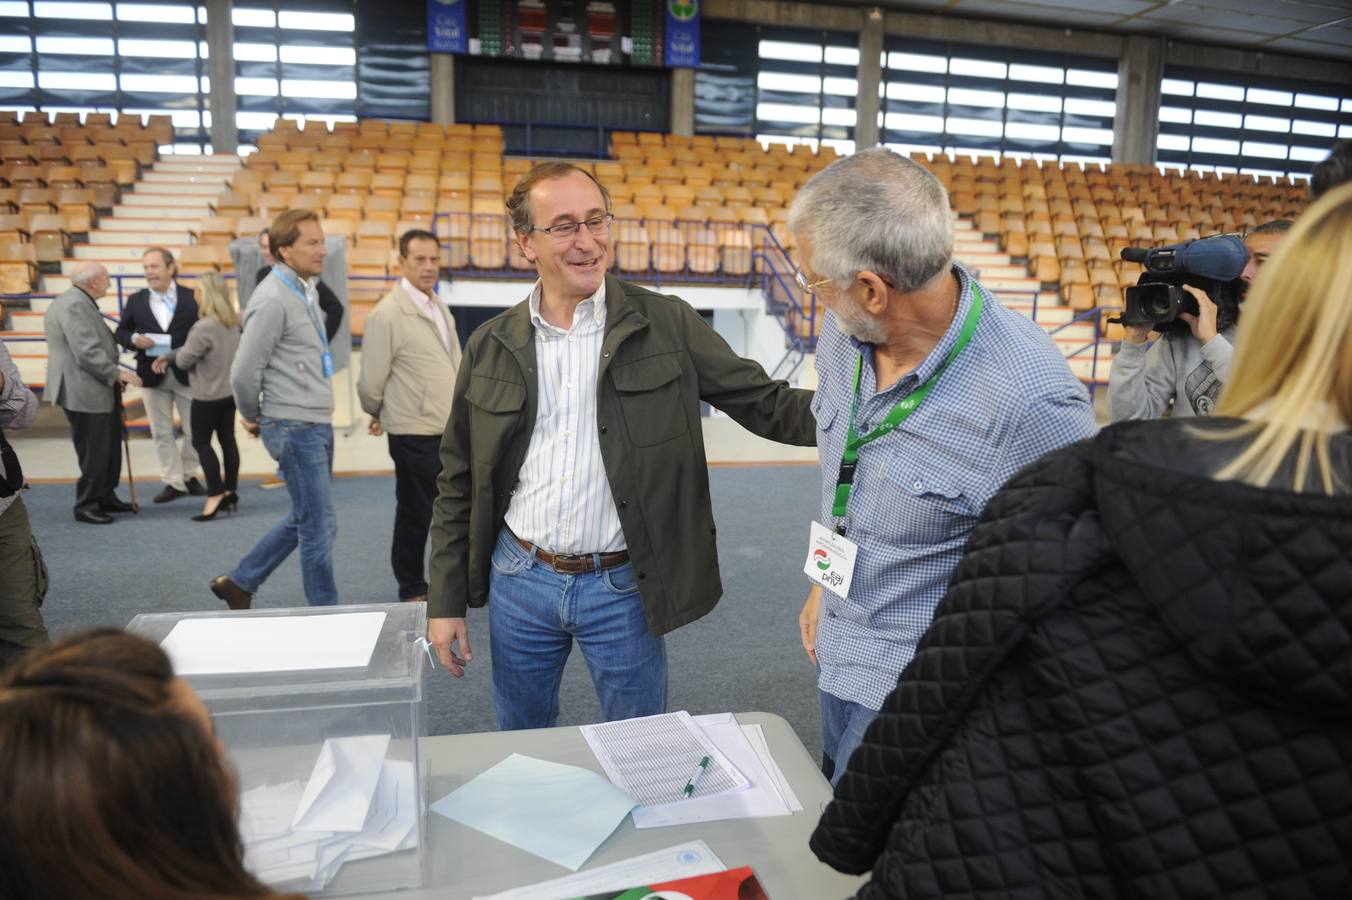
(234, 596)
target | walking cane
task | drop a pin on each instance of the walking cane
(126, 445)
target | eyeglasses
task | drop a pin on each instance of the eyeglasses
(808, 286)
(566, 231)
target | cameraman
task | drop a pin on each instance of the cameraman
(1187, 367)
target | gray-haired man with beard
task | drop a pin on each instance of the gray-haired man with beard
(930, 395)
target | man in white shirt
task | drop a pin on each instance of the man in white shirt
(573, 498)
(154, 321)
(409, 357)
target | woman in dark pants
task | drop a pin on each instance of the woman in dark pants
(206, 356)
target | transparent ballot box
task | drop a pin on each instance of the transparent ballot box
(320, 710)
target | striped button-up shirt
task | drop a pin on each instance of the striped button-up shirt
(562, 501)
(1006, 400)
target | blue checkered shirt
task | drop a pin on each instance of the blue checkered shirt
(1006, 400)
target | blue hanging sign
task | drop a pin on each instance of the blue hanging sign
(446, 26)
(681, 35)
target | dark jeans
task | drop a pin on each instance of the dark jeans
(218, 417)
(417, 463)
(96, 437)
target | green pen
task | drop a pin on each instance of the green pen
(694, 778)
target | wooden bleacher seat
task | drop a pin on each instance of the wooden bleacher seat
(217, 231)
(18, 267)
(51, 243)
(14, 229)
(197, 260)
(77, 209)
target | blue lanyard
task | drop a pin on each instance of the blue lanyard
(309, 307)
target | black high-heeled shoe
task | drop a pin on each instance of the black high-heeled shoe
(225, 504)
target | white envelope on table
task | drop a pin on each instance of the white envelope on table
(342, 784)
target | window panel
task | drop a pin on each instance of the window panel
(1024, 102)
(792, 52)
(316, 21)
(783, 81)
(256, 87)
(333, 90)
(1258, 114)
(1314, 101)
(966, 97)
(1213, 119)
(915, 93)
(1176, 86)
(158, 49)
(1044, 74)
(1309, 154)
(844, 117)
(255, 52)
(977, 67)
(155, 12)
(87, 11)
(841, 87)
(253, 18)
(1265, 150)
(323, 56)
(915, 62)
(80, 46)
(782, 112)
(17, 9)
(160, 84)
(1088, 136)
(1035, 102)
(842, 56)
(16, 80)
(15, 44)
(77, 81)
(1267, 123)
(1319, 129)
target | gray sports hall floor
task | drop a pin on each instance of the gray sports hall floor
(744, 656)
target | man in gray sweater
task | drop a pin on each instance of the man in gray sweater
(1190, 367)
(281, 382)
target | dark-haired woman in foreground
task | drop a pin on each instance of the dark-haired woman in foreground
(112, 784)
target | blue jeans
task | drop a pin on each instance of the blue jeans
(535, 613)
(843, 727)
(305, 450)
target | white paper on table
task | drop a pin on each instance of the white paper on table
(652, 758)
(273, 643)
(338, 795)
(558, 812)
(682, 861)
(756, 736)
(760, 799)
(288, 858)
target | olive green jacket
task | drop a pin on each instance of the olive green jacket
(659, 359)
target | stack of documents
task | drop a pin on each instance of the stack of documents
(653, 760)
(356, 804)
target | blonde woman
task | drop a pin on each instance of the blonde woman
(1138, 683)
(206, 356)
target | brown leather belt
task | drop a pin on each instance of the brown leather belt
(573, 563)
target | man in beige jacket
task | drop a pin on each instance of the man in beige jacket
(409, 357)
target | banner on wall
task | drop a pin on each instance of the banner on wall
(446, 28)
(681, 35)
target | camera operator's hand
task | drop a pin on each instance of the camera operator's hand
(1136, 334)
(1203, 324)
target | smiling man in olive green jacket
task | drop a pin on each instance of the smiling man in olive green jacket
(574, 491)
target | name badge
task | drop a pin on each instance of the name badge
(830, 559)
(328, 364)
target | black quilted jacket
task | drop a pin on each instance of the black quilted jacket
(1138, 685)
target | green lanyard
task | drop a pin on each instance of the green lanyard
(900, 413)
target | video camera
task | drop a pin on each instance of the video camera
(1211, 264)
